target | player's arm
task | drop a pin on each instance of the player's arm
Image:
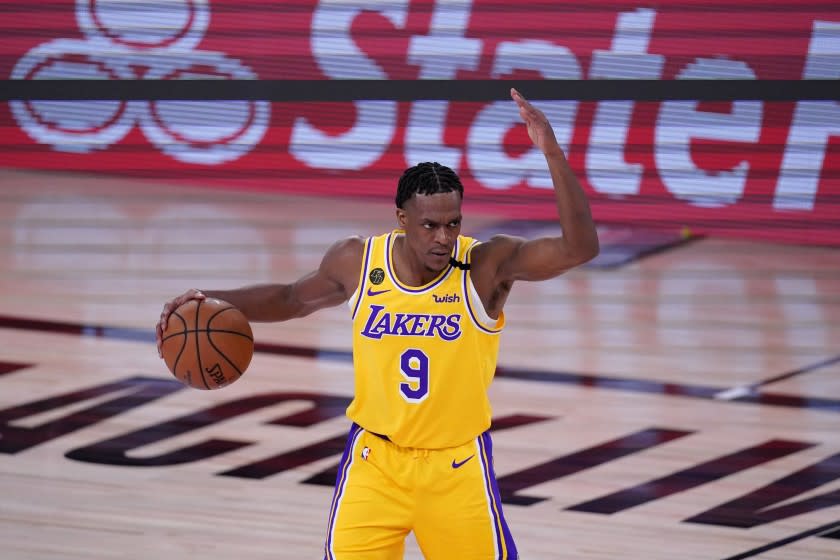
(332, 283)
(547, 257)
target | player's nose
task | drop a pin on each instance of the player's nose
(443, 237)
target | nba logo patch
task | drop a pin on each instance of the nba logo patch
(365, 453)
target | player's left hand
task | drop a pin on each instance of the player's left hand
(539, 129)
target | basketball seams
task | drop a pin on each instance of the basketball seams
(194, 331)
(217, 313)
(224, 356)
(210, 327)
(198, 345)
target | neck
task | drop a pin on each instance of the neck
(410, 270)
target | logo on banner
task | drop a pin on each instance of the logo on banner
(131, 41)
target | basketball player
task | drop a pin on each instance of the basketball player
(427, 310)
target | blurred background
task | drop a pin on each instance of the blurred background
(677, 396)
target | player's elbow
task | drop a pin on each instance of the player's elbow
(589, 250)
(583, 250)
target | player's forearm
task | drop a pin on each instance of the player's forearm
(262, 302)
(579, 231)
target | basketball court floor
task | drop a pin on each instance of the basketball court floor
(676, 400)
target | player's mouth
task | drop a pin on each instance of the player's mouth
(439, 258)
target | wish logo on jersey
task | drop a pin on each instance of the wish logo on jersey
(380, 322)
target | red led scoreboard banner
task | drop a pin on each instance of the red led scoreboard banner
(750, 166)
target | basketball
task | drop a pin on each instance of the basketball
(207, 344)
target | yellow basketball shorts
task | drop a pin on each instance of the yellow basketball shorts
(448, 497)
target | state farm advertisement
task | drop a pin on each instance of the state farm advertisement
(748, 167)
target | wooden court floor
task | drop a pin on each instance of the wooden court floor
(684, 405)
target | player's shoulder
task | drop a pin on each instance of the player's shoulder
(345, 252)
(342, 262)
(351, 244)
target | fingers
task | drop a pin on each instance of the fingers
(520, 100)
(168, 308)
(527, 111)
(159, 339)
(161, 327)
(539, 129)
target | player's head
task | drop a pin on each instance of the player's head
(429, 210)
(427, 178)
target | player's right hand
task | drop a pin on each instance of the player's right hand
(171, 306)
(539, 129)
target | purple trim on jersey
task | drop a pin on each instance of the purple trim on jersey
(340, 483)
(363, 276)
(476, 321)
(393, 276)
(485, 445)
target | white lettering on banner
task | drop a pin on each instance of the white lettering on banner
(133, 41)
(606, 168)
(814, 122)
(489, 162)
(680, 122)
(440, 55)
(445, 50)
(339, 58)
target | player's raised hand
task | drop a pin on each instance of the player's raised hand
(539, 129)
(171, 306)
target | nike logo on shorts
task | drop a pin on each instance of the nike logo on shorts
(456, 465)
(371, 292)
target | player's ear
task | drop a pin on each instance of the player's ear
(401, 218)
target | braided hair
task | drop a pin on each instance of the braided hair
(427, 178)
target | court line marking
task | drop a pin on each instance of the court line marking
(785, 541)
(744, 390)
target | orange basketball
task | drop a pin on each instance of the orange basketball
(207, 344)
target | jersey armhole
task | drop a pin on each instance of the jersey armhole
(475, 306)
(356, 298)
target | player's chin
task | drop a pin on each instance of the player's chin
(437, 262)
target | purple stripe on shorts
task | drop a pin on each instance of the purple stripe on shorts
(341, 479)
(486, 444)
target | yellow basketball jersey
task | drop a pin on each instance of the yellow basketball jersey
(424, 356)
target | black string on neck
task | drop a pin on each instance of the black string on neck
(458, 264)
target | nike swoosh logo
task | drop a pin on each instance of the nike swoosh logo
(456, 465)
(371, 292)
